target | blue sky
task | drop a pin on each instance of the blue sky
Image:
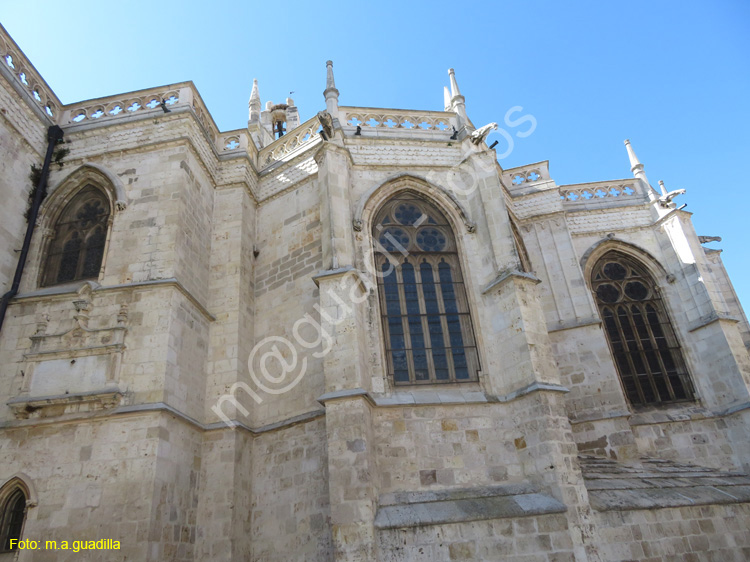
(674, 77)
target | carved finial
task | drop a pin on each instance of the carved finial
(331, 93)
(662, 187)
(635, 164)
(330, 82)
(637, 168)
(446, 98)
(454, 85)
(254, 103)
(457, 103)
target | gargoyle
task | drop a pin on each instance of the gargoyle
(707, 239)
(478, 136)
(326, 121)
(665, 200)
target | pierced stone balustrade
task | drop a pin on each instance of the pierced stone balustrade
(297, 138)
(149, 100)
(517, 179)
(233, 140)
(105, 109)
(396, 121)
(25, 75)
(583, 193)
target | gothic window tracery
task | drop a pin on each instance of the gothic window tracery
(428, 330)
(647, 354)
(79, 236)
(12, 515)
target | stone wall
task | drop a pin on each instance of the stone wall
(538, 539)
(93, 479)
(290, 517)
(701, 533)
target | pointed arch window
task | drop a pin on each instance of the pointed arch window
(647, 354)
(12, 516)
(79, 236)
(424, 308)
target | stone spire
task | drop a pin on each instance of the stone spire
(455, 92)
(637, 168)
(458, 102)
(446, 98)
(254, 103)
(331, 93)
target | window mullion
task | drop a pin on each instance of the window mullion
(642, 352)
(425, 324)
(462, 303)
(443, 319)
(628, 351)
(383, 302)
(657, 352)
(405, 321)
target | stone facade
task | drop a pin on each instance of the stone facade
(221, 390)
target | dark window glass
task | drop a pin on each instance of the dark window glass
(646, 353)
(13, 513)
(77, 246)
(69, 259)
(425, 312)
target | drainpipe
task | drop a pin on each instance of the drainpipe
(54, 135)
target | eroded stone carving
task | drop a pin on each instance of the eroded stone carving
(707, 239)
(478, 136)
(326, 121)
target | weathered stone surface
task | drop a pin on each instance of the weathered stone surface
(221, 388)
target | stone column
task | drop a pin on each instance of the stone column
(225, 491)
(486, 199)
(519, 336)
(548, 455)
(351, 462)
(351, 465)
(351, 474)
(335, 206)
(712, 338)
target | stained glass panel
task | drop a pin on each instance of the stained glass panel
(643, 343)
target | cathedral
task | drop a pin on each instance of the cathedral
(351, 338)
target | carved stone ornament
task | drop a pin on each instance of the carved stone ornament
(75, 370)
(478, 136)
(707, 239)
(326, 121)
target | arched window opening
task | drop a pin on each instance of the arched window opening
(12, 515)
(429, 336)
(77, 246)
(647, 354)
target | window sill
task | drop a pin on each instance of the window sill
(469, 393)
(673, 412)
